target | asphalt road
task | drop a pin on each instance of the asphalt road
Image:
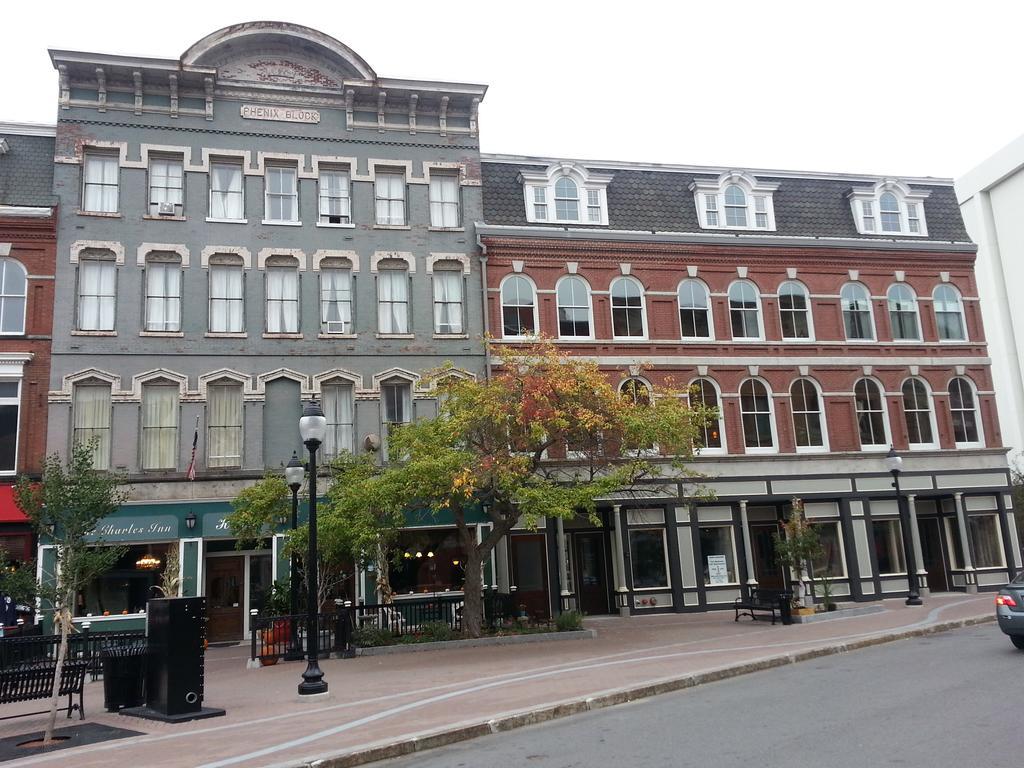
(951, 699)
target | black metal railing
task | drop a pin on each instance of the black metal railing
(84, 645)
(274, 637)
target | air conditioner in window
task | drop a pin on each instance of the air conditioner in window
(165, 209)
(336, 326)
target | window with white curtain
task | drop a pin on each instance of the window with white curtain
(338, 403)
(100, 183)
(393, 301)
(808, 425)
(227, 198)
(282, 297)
(159, 426)
(917, 408)
(694, 310)
(335, 197)
(444, 200)
(90, 416)
(166, 186)
(871, 419)
(389, 195)
(794, 311)
(903, 313)
(518, 307)
(10, 407)
(336, 298)
(756, 411)
(963, 407)
(13, 293)
(628, 319)
(448, 300)
(949, 313)
(97, 294)
(163, 294)
(856, 303)
(224, 425)
(226, 297)
(281, 202)
(573, 296)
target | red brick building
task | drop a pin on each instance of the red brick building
(27, 251)
(828, 317)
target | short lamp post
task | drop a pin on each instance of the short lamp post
(894, 463)
(312, 429)
(294, 474)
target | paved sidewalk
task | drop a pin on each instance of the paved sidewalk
(410, 701)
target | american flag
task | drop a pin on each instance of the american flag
(190, 473)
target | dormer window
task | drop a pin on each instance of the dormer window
(566, 193)
(889, 208)
(734, 201)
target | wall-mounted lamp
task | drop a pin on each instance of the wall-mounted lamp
(190, 520)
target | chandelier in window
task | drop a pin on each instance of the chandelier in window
(147, 562)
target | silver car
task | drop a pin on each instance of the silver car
(1010, 610)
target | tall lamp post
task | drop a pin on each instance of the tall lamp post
(312, 429)
(894, 463)
(294, 474)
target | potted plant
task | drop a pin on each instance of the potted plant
(796, 550)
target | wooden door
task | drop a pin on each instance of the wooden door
(591, 573)
(530, 574)
(932, 553)
(766, 570)
(224, 598)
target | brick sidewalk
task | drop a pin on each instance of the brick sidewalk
(387, 699)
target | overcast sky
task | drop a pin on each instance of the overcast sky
(899, 87)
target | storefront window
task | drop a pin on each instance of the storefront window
(430, 561)
(955, 546)
(718, 555)
(831, 562)
(986, 541)
(648, 557)
(127, 586)
(888, 546)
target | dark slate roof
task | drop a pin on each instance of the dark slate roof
(646, 200)
(26, 171)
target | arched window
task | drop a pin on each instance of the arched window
(567, 200)
(635, 391)
(518, 307)
(703, 392)
(744, 310)
(889, 208)
(808, 425)
(756, 410)
(963, 407)
(627, 309)
(573, 295)
(694, 310)
(871, 417)
(735, 206)
(13, 290)
(903, 313)
(917, 407)
(949, 313)
(856, 303)
(794, 311)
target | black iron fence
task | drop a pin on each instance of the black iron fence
(84, 646)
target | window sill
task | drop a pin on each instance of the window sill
(272, 223)
(391, 226)
(225, 335)
(875, 448)
(576, 338)
(696, 339)
(396, 335)
(732, 584)
(797, 341)
(748, 340)
(328, 225)
(451, 335)
(212, 220)
(94, 333)
(337, 336)
(761, 451)
(100, 214)
(111, 617)
(653, 589)
(923, 447)
(282, 335)
(163, 334)
(151, 217)
(447, 229)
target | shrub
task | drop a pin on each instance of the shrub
(569, 621)
(436, 631)
(371, 637)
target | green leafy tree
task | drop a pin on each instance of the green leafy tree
(17, 581)
(488, 449)
(70, 501)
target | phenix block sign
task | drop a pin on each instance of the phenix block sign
(283, 114)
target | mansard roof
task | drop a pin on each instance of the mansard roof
(26, 167)
(660, 198)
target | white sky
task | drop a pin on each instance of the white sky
(897, 87)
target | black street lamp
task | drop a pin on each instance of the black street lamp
(294, 474)
(312, 429)
(894, 463)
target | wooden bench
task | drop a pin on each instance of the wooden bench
(763, 600)
(27, 682)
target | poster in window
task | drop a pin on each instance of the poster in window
(718, 570)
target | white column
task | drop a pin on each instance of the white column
(501, 563)
(563, 571)
(748, 554)
(620, 577)
(915, 540)
(965, 545)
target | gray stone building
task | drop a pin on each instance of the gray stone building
(261, 221)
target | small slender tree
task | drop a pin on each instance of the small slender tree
(66, 506)
(798, 547)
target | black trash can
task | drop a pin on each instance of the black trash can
(123, 677)
(786, 607)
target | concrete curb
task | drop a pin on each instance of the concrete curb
(536, 637)
(548, 712)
